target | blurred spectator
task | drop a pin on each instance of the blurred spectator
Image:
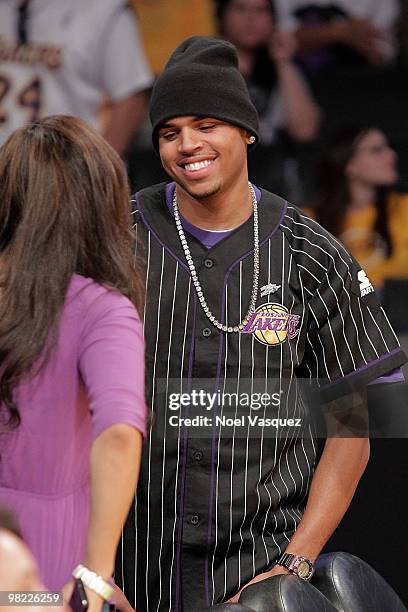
(59, 57)
(357, 202)
(18, 568)
(276, 86)
(341, 32)
(165, 23)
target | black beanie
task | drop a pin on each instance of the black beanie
(202, 79)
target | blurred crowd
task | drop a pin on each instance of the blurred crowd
(327, 77)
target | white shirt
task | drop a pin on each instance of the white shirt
(78, 51)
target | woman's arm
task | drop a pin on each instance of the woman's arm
(115, 463)
(111, 365)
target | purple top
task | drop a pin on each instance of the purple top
(94, 379)
(208, 238)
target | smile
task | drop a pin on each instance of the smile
(198, 165)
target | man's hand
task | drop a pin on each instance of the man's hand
(278, 569)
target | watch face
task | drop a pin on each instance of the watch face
(303, 569)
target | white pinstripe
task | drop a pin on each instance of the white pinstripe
(179, 442)
(150, 434)
(164, 436)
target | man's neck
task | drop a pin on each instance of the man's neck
(217, 212)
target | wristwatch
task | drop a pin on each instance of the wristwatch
(300, 566)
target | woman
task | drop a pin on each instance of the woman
(72, 405)
(357, 202)
(277, 89)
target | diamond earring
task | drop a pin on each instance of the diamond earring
(251, 139)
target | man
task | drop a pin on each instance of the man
(60, 57)
(245, 296)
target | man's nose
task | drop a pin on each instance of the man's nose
(190, 141)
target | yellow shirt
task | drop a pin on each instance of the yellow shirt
(367, 246)
(164, 25)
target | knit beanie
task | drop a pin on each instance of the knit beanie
(202, 79)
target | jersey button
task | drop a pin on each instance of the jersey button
(206, 332)
(198, 455)
(195, 519)
(208, 263)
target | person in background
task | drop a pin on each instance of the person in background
(276, 86)
(163, 25)
(18, 568)
(341, 32)
(72, 408)
(60, 57)
(358, 203)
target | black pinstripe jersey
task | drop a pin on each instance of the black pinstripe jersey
(215, 508)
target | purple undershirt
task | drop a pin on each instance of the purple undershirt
(210, 238)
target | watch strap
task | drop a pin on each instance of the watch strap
(291, 562)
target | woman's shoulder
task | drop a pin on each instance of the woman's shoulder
(89, 297)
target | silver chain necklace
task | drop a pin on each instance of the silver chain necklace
(190, 263)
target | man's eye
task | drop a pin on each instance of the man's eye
(206, 126)
(168, 135)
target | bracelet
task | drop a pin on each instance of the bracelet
(93, 581)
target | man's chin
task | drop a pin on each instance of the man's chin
(200, 192)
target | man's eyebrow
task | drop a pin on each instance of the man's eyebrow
(164, 126)
(169, 124)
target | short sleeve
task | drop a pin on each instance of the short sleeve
(123, 66)
(111, 363)
(349, 340)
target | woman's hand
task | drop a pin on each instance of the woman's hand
(94, 601)
(121, 601)
(282, 47)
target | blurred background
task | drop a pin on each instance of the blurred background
(329, 79)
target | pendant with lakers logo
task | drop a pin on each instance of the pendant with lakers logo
(272, 324)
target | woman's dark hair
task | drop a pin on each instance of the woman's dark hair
(264, 70)
(334, 197)
(9, 522)
(64, 209)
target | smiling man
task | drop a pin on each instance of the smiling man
(245, 297)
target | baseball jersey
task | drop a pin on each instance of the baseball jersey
(225, 476)
(75, 54)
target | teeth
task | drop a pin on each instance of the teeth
(198, 165)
